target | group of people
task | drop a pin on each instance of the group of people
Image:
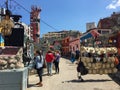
(51, 58)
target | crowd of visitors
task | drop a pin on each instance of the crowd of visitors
(52, 58)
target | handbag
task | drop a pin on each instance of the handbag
(37, 65)
(44, 64)
(81, 68)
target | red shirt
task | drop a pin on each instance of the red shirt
(49, 57)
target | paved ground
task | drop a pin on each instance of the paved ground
(67, 80)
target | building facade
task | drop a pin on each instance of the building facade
(110, 22)
(2, 12)
(90, 25)
(35, 23)
(70, 44)
(59, 34)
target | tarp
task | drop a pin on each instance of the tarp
(92, 33)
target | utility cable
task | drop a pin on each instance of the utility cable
(48, 25)
(29, 13)
(21, 6)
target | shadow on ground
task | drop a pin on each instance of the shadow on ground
(90, 80)
(114, 78)
(31, 85)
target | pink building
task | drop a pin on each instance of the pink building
(70, 44)
(65, 46)
(74, 44)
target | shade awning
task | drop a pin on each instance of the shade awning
(92, 33)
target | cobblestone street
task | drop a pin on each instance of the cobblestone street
(67, 80)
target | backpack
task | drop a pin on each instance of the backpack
(81, 68)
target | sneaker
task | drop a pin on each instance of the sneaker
(40, 85)
(50, 75)
(82, 80)
(79, 77)
(37, 83)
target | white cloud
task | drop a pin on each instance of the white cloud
(114, 4)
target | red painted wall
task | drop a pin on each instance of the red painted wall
(70, 44)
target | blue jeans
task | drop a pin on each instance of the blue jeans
(49, 68)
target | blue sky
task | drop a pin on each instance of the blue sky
(66, 14)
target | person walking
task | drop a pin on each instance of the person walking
(81, 70)
(77, 54)
(39, 66)
(49, 57)
(72, 58)
(56, 61)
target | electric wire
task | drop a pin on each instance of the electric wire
(29, 13)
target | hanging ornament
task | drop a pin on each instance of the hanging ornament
(6, 24)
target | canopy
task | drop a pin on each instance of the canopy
(92, 33)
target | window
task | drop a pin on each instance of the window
(76, 45)
(99, 31)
